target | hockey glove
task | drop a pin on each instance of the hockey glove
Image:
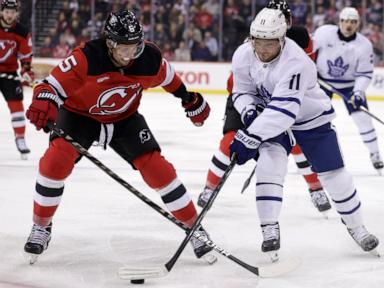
(44, 107)
(357, 99)
(197, 109)
(27, 74)
(245, 145)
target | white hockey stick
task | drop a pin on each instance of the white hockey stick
(264, 271)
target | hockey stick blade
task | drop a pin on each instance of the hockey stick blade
(272, 270)
(279, 268)
(130, 273)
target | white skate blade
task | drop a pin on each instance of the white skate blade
(32, 258)
(24, 156)
(209, 258)
(130, 273)
(380, 172)
(325, 214)
(279, 268)
(375, 253)
(273, 255)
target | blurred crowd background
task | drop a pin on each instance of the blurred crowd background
(185, 30)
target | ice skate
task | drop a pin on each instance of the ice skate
(271, 243)
(204, 197)
(377, 162)
(201, 250)
(320, 201)
(365, 240)
(38, 241)
(22, 147)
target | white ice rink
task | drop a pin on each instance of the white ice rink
(101, 226)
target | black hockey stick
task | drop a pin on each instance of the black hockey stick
(334, 90)
(130, 273)
(248, 181)
(169, 265)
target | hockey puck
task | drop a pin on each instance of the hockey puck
(137, 281)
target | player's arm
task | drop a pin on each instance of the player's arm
(25, 55)
(53, 91)
(196, 108)
(281, 112)
(363, 74)
(244, 96)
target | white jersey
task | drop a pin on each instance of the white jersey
(288, 87)
(343, 64)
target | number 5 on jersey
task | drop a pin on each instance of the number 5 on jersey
(67, 64)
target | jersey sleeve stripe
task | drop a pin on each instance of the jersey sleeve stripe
(289, 99)
(55, 84)
(322, 114)
(284, 111)
(169, 73)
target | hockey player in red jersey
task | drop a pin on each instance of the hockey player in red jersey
(15, 45)
(233, 122)
(94, 95)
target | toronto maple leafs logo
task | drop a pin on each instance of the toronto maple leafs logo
(337, 69)
(263, 94)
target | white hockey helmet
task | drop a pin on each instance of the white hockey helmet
(349, 13)
(269, 24)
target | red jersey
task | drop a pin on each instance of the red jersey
(15, 44)
(90, 84)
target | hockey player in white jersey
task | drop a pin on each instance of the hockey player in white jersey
(275, 71)
(345, 61)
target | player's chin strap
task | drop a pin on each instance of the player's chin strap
(334, 90)
(280, 268)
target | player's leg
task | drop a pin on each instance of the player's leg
(13, 94)
(318, 196)
(321, 147)
(366, 129)
(270, 173)
(221, 158)
(134, 141)
(54, 167)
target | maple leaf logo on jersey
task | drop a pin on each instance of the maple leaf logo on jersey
(6, 49)
(116, 100)
(337, 69)
(263, 94)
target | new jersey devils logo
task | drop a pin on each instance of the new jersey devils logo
(6, 49)
(116, 100)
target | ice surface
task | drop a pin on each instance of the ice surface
(101, 226)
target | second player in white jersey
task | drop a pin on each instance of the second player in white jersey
(345, 61)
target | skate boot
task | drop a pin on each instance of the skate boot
(368, 242)
(271, 243)
(204, 197)
(38, 241)
(201, 249)
(22, 147)
(377, 162)
(320, 200)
